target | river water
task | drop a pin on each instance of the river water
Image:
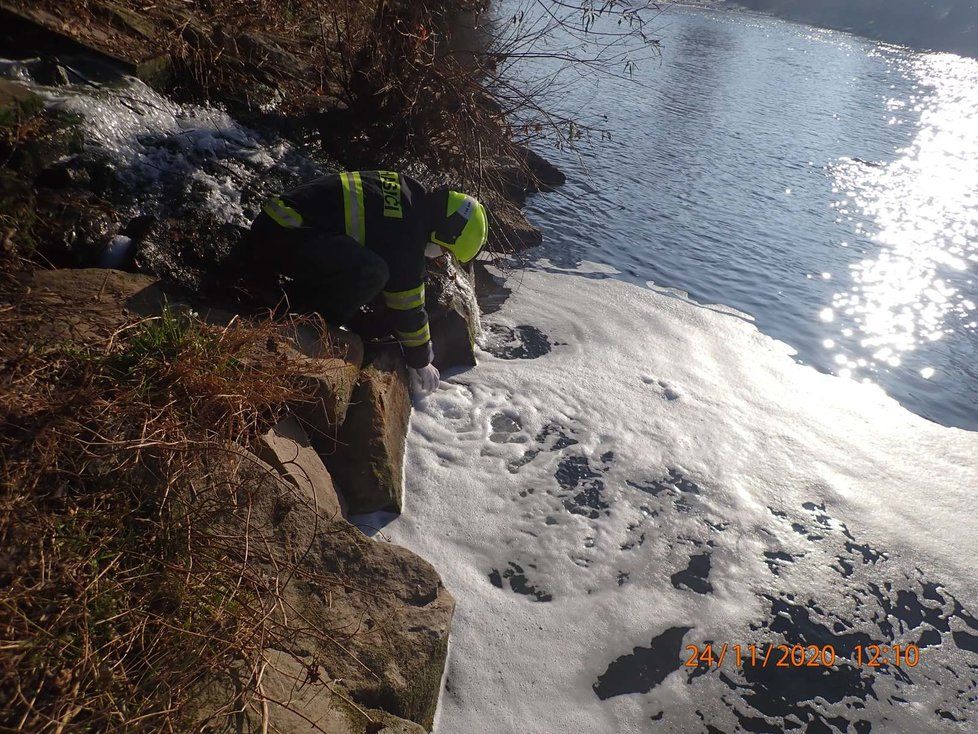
(822, 183)
(631, 474)
(722, 411)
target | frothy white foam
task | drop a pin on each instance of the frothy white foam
(156, 143)
(654, 431)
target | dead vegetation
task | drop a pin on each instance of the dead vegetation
(126, 574)
(382, 82)
(129, 572)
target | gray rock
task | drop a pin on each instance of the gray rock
(331, 360)
(292, 704)
(369, 621)
(453, 314)
(367, 463)
(17, 103)
(287, 449)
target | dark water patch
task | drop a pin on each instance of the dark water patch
(518, 342)
(965, 641)
(887, 614)
(797, 625)
(963, 615)
(929, 638)
(505, 429)
(820, 516)
(575, 472)
(518, 583)
(808, 535)
(516, 464)
(695, 577)
(632, 544)
(774, 559)
(793, 695)
(491, 290)
(843, 566)
(675, 482)
(644, 668)
(908, 611)
(551, 437)
(653, 488)
(587, 502)
(554, 437)
(682, 505)
(931, 592)
(868, 553)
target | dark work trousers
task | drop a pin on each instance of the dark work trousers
(332, 275)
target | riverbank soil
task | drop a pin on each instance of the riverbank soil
(178, 457)
(150, 554)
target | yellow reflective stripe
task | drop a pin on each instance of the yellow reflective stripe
(281, 213)
(353, 206)
(415, 338)
(405, 300)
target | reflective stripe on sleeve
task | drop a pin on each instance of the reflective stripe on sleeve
(415, 338)
(405, 300)
(281, 213)
(353, 206)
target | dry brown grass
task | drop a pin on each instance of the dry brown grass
(121, 590)
(375, 76)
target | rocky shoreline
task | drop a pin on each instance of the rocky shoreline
(389, 674)
(336, 452)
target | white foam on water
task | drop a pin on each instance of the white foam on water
(155, 143)
(656, 430)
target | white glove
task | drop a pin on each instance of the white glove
(424, 381)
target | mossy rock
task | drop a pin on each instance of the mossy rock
(57, 136)
(17, 104)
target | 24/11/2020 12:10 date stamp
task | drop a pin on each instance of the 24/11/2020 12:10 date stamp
(713, 655)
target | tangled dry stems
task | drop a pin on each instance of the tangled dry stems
(123, 586)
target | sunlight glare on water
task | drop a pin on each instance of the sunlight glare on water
(925, 209)
(823, 184)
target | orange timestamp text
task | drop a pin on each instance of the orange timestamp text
(713, 655)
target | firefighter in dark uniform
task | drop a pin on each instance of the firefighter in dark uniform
(341, 240)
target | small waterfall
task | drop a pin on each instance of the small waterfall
(171, 157)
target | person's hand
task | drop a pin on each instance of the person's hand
(424, 381)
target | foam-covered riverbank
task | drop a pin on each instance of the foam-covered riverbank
(665, 475)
